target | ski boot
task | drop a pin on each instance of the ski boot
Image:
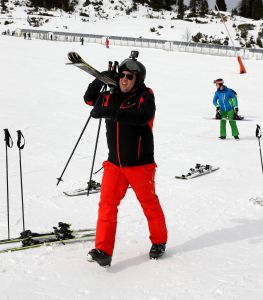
(157, 250)
(100, 257)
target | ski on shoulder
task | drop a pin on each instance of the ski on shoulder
(198, 170)
(77, 61)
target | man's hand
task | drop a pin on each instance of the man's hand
(103, 112)
(218, 115)
(236, 116)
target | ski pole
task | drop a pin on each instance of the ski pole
(94, 156)
(82, 132)
(96, 143)
(21, 145)
(8, 144)
(111, 67)
(258, 135)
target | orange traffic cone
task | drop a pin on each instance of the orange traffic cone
(242, 67)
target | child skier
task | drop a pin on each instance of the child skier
(226, 104)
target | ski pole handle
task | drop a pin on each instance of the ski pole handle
(109, 65)
(258, 132)
(20, 140)
(115, 65)
(8, 139)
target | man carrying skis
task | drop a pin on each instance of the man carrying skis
(226, 104)
(129, 114)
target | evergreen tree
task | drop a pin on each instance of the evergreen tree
(3, 5)
(66, 5)
(234, 12)
(203, 7)
(221, 4)
(257, 10)
(199, 7)
(181, 9)
(251, 9)
(244, 8)
(193, 6)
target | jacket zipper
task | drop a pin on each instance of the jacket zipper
(224, 97)
(139, 146)
(118, 142)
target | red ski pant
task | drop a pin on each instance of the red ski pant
(114, 185)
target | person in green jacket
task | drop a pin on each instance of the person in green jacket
(226, 104)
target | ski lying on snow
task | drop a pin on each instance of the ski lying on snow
(227, 119)
(198, 170)
(78, 61)
(62, 231)
(36, 236)
(81, 191)
(257, 201)
(51, 241)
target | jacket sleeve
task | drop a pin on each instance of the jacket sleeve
(92, 93)
(144, 114)
(215, 102)
(234, 97)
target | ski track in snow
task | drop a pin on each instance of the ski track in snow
(215, 234)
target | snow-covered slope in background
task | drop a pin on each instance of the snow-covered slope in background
(215, 234)
(111, 18)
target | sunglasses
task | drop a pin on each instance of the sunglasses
(128, 76)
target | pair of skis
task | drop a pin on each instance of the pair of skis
(198, 170)
(61, 235)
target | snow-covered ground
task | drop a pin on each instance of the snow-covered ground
(215, 234)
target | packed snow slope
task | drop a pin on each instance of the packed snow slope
(215, 233)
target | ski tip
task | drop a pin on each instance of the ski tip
(74, 57)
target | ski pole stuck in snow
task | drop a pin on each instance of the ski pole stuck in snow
(8, 144)
(258, 135)
(21, 145)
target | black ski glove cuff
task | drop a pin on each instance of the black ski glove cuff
(103, 112)
(218, 115)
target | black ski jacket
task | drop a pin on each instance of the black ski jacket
(129, 135)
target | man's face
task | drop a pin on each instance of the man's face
(219, 86)
(127, 81)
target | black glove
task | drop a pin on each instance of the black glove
(103, 112)
(236, 113)
(218, 115)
